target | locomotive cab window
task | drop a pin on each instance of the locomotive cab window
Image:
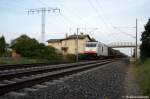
(90, 45)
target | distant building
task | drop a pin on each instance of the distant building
(68, 44)
(14, 55)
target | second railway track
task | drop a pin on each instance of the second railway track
(15, 73)
(16, 79)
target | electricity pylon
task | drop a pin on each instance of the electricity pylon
(43, 15)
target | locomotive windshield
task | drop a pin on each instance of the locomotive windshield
(90, 45)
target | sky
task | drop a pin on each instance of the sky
(106, 20)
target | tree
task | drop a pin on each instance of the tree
(46, 52)
(133, 53)
(25, 46)
(3, 46)
(29, 47)
(145, 38)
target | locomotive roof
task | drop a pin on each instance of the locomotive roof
(97, 42)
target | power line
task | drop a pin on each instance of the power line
(41, 2)
(99, 15)
(62, 14)
(43, 14)
(66, 18)
(116, 28)
(124, 32)
(14, 3)
(12, 6)
(60, 3)
(102, 10)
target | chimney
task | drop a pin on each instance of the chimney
(66, 35)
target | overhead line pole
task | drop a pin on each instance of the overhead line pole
(136, 48)
(77, 46)
(43, 17)
(43, 24)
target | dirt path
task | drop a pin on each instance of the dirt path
(131, 87)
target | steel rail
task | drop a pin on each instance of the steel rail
(43, 69)
(30, 81)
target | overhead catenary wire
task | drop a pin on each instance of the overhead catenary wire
(12, 6)
(124, 32)
(114, 27)
(15, 3)
(41, 2)
(76, 15)
(98, 14)
(64, 17)
(43, 11)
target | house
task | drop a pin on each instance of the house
(68, 45)
(14, 55)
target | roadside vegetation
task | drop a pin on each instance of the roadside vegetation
(31, 48)
(143, 76)
(4, 47)
(21, 60)
(27, 50)
(142, 69)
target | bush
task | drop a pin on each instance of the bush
(2, 62)
(70, 57)
(143, 76)
(31, 48)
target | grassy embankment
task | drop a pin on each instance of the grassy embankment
(18, 61)
(142, 71)
(23, 60)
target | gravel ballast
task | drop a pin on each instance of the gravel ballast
(104, 82)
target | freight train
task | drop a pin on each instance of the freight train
(98, 50)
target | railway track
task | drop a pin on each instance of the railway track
(15, 79)
(18, 66)
(8, 74)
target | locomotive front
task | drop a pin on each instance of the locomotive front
(91, 50)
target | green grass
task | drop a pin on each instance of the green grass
(24, 60)
(142, 71)
(19, 61)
